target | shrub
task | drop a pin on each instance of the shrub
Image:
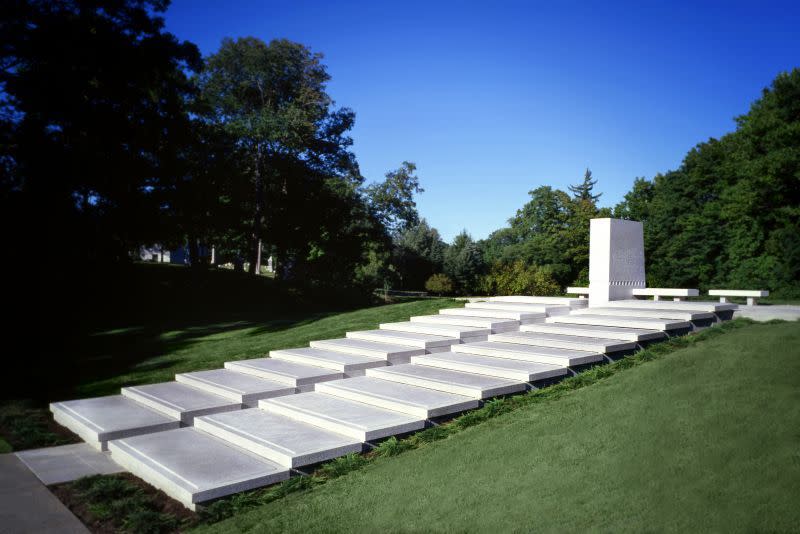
(440, 284)
(519, 279)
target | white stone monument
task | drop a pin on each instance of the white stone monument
(616, 260)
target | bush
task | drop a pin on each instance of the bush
(440, 284)
(519, 279)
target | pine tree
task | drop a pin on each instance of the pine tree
(583, 191)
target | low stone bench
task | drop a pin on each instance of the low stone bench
(752, 294)
(582, 292)
(677, 294)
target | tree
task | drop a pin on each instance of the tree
(393, 199)
(583, 190)
(463, 263)
(417, 253)
(439, 284)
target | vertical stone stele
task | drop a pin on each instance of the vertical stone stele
(616, 260)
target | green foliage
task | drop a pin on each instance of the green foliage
(516, 278)
(583, 191)
(393, 447)
(393, 199)
(418, 253)
(440, 284)
(463, 263)
(342, 465)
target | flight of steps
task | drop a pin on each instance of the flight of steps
(217, 432)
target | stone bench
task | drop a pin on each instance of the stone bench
(752, 294)
(677, 294)
(582, 292)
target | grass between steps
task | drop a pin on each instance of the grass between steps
(704, 439)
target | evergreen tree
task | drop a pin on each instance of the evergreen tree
(583, 191)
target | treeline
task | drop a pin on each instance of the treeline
(115, 135)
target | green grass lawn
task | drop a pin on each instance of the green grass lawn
(706, 438)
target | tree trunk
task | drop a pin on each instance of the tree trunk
(258, 215)
(258, 258)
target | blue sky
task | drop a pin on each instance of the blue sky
(493, 99)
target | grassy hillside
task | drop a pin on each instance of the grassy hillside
(702, 439)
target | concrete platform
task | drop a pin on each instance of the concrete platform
(348, 364)
(412, 339)
(100, 419)
(413, 400)
(621, 321)
(466, 334)
(391, 352)
(238, 387)
(301, 376)
(361, 421)
(522, 317)
(179, 401)
(530, 353)
(701, 306)
(65, 463)
(590, 344)
(287, 442)
(555, 301)
(655, 313)
(493, 324)
(192, 467)
(627, 334)
(510, 369)
(549, 309)
(476, 386)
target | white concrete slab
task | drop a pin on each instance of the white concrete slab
(412, 339)
(627, 334)
(55, 465)
(238, 387)
(457, 331)
(192, 467)
(355, 419)
(665, 292)
(590, 344)
(179, 401)
(522, 317)
(511, 369)
(294, 374)
(413, 400)
(655, 313)
(100, 419)
(553, 301)
(476, 386)
(548, 309)
(493, 324)
(530, 353)
(285, 441)
(391, 352)
(329, 359)
(738, 293)
(702, 306)
(621, 321)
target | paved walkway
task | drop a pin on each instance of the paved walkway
(26, 505)
(784, 312)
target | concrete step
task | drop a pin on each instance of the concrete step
(678, 314)
(413, 400)
(287, 442)
(412, 339)
(572, 302)
(349, 364)
(510, 369)
(391, 352)
(476, 386)
(548, 309)
(700, 306)
(466, 334)
(237, 387)
(530, 353)
(355, 419)
(100, 419)
(294, 374)
(522, 317)
(621, 321)
(560, 341)
(493, 324)
(627, 334)
(179, 401)
(193, 467)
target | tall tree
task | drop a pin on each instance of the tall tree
(463, 262)
(393, 199)
(583, 190)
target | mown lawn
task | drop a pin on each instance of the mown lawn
(704, 439)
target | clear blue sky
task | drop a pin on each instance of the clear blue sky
(493, 99)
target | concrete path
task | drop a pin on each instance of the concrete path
(26, 505)
(54, 465)
(785, 312)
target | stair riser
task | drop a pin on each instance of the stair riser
(398, 406)
(419, 344)
(245, 399)
(334, 366)
(275, 377)
(391, 358)
(539, 358)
